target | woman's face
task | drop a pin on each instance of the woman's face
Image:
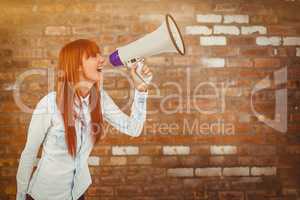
(92, 68)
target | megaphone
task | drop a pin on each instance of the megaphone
(165, 39)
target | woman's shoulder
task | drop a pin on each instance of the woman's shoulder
(50, 97)
(46, 103)
(103, 92)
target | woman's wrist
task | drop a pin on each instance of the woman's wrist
(142, 90)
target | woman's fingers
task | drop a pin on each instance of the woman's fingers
(146, 70)
(142, 87)
(133, 69)
(149, 73)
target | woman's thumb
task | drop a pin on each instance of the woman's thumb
(133, 69)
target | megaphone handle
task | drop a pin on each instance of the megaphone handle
(140, 64)
(146, 79)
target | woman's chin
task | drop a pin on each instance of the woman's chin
(97, 79)
(92, 80)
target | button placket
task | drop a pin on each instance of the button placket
(82, 128)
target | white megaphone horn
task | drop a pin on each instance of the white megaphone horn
(166, 38)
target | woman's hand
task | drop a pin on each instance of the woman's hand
(139, 84)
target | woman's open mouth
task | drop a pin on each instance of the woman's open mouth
(99, 69)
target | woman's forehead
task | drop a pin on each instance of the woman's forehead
(92, 52)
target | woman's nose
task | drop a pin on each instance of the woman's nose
(102, 60)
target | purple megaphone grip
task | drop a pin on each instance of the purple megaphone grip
(114, 59)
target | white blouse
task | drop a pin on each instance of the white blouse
(58, 176)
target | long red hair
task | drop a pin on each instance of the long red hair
(70, 58)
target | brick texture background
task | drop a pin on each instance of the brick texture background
(211, 147)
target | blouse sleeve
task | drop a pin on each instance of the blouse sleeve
(131, 125)
(40, 122)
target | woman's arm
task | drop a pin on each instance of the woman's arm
(131, 125)
(40, 122)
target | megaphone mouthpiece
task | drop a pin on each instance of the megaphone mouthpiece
(114, 59)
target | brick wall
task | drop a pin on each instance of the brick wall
(209, 133)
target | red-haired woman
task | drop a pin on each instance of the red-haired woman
(69, 122)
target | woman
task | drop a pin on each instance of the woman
(69, 122)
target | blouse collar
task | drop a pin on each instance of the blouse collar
(84, 100)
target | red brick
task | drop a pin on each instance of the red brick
(139, 160)
(267, 62)
(9, 119)
(264, 19)
(191, 40)
(256, 51)
(293, 149)
(166, 161)
(197, 50)
(257, 160)
(128, 190)
(184, 60)
(241, 41)
(155, 190)
(200, 150)
(223, 51)
(257, 150)
(231, 195)
(251, 74)
(239, 62)
(114, 160)
(285, 51)
(223, 160)
(281, 30)
(107, 39)
(150, 150)
(102, 150)
(255, 9)
(193, 161)
(226, 7)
